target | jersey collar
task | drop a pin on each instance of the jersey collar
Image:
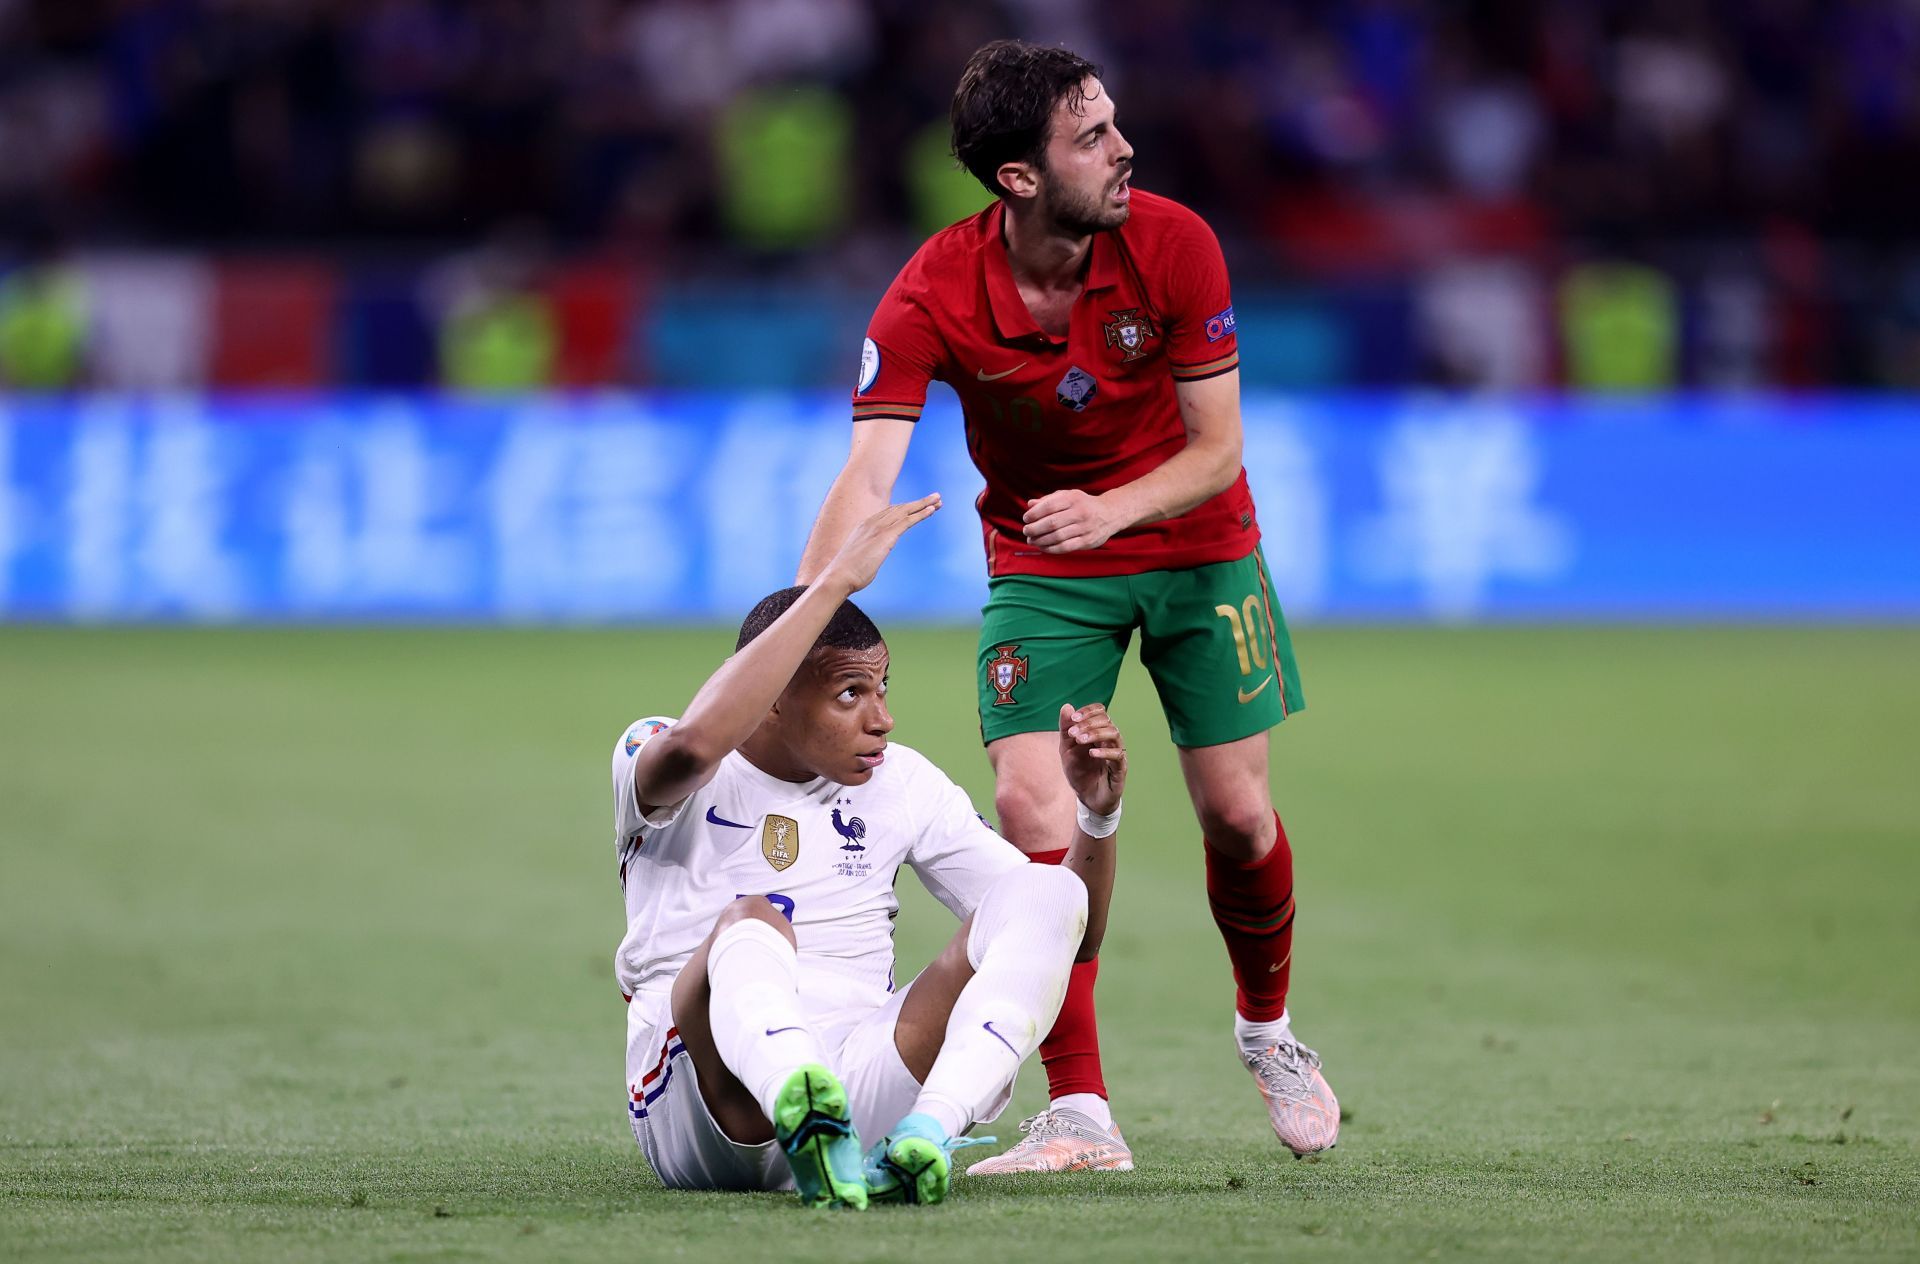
(1010, 314)
(770, 786)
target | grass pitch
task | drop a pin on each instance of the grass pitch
(1610, 937)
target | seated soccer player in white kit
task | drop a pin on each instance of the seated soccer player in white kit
(759, 837)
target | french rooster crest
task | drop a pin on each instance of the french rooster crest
(852, 830)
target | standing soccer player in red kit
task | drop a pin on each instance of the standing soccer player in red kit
(1088, 330)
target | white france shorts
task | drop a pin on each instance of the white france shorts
(688, 1150)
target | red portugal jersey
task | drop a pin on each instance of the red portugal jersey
(1091, 411)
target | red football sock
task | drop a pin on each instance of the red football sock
(1253, 907)
(1071, 1051)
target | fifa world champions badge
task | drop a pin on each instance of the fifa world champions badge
(1129, 331)
(1004, 671)
(780, 841)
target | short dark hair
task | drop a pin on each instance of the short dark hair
(1003, 108)
(849, 629)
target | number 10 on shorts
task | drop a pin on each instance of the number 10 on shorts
(1246, 622)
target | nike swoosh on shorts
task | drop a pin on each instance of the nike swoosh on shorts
(1257, 690)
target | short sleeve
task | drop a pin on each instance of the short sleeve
(900, 356)
(1201, 338)
(628, 822)
(956, 853)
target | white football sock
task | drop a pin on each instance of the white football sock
(1257, 1036)
(1025, 934)
(1092, 1105)
(758, 1024)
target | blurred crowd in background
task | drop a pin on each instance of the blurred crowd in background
(1624, 195)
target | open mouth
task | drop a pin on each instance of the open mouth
(1123, 191)
(874, 759)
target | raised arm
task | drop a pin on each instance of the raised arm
(1094, 756)
(737, 697)
(1069, 521)
(864, 485)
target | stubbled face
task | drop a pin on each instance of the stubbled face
(1084, 188)
(833, 716)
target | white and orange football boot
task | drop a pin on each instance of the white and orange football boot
(1061, 1139)
(1305, 1114)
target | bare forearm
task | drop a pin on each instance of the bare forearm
(1093, 756)
(1207, 466)
(849, 501)
(739, 694)
(1191, 477)
(1094, 860)
(864, 486)
(735, 699)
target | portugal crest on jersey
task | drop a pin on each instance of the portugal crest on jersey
(1129, 331)
(1004, 671)
(780, 841)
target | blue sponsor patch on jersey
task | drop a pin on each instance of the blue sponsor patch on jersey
(639, 733)
(1220, 326)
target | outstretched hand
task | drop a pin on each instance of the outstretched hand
(1094, 756)
(859, 558)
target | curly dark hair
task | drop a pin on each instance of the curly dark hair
(1003, 107)
(849, 629)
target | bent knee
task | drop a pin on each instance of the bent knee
(1243, 831)
(1032, 909)
(1055, 893)
(1035, 814)
(1057, 885)
(757, 908)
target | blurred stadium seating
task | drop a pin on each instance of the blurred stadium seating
(1592, 194)
(1557, 309)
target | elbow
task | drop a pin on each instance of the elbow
(1225, 471)
(1218, 463)
(683, 757)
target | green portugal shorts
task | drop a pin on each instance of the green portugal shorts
(1212, 638)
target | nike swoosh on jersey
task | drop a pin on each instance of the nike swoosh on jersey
(715, 818)
(1245, 696)
(985, 376)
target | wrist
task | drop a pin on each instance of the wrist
(1121, 507)
(1097, 824)
(832, 584)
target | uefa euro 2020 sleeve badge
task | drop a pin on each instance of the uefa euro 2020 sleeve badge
(1129, 331)
(1004, 671)
(780, 841)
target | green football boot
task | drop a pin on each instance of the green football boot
(911, 1164)
(815, 1129)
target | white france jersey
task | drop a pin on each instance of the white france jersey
(824, 854)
